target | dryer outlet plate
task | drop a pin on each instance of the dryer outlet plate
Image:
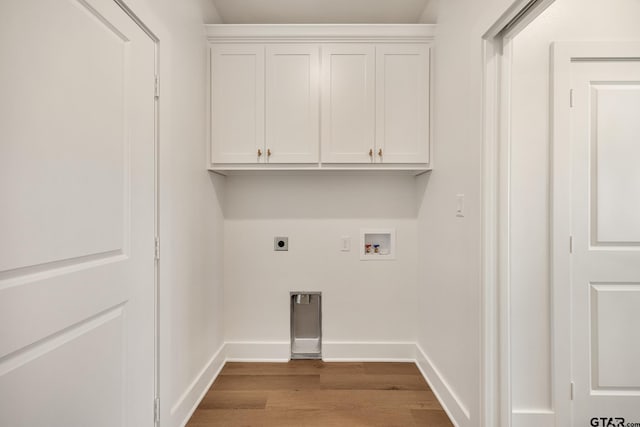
(280, 243)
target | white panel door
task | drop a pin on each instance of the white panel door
(237, 103)
(402, 103)
(77, 145)
(348, 103)
(605, 224)
(292, 100)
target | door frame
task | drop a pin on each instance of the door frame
(156, 204)
(562, 55)
(495, 390)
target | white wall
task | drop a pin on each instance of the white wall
(449, 279)
(566, 20)
(363, 301)
(430, 13)
(191, 219)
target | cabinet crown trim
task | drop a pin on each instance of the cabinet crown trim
(265, 33)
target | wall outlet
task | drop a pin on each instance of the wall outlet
(280, 243)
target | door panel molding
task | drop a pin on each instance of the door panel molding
(615, 367)
(33, 273)
(47, 344)
(615, 203)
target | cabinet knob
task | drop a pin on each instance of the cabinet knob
(370, 152)
(259, 152)
(268, 152)
(380, 152)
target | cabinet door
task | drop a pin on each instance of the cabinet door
(402, 103)
(348, 106)
(237, 103)
(292, 88)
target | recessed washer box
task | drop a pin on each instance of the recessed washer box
(280, 243)
(377, 244)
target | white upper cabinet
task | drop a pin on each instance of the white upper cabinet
(320, 97)
(348, 103)
(292, 103)
(237, 103)
(402, 103)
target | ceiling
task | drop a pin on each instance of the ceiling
(323, 11)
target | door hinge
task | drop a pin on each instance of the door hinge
(156, 410)
(156, 87)
(570, 244)
(571, 98)
(157, 248)
(571, 390)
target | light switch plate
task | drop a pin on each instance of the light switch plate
(345, 243)
(460, 205)
(280, 243)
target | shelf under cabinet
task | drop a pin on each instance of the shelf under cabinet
(242, 169)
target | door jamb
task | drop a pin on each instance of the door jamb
(560, 229)
(496, 363)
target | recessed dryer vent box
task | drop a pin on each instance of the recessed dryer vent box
(378, 244)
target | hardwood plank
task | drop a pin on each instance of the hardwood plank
(298, 418)
(294, 367)
(266, 382)
(225, 417)
(372, 382)
(429, 418)
(391, 368)
(332, 400)
(234, 400)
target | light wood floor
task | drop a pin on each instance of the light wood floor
(314, 393)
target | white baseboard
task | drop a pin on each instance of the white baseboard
(333, 351)
(533, 418)
(453, 406)
(184, 407)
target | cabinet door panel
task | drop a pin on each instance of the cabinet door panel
(402, 103)
(292, 112)
(237, 103)
(348, 73)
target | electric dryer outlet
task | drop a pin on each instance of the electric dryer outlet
(280, 243)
